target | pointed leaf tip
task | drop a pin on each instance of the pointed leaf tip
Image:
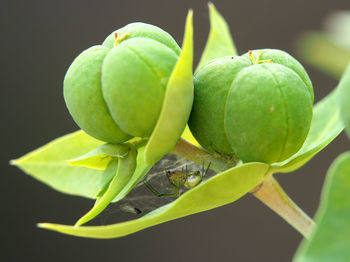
(123, 169)
(220, 42)
(211, 6)
(43, 225)
(48, 165)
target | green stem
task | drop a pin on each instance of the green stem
(189, 151)
(269, 191)
(271, 194)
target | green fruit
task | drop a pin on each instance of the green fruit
(257, 106)
(115, 91)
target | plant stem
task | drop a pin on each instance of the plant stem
(189, 151)
(271, 194)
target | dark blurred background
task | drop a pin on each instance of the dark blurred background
(39, 40)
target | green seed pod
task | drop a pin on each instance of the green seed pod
(115, 91)
(138, 83)
(257, 106)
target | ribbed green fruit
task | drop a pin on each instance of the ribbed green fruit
(257, 106)
(115, 91)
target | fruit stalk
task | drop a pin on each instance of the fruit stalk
(271, 194)
(189, 151)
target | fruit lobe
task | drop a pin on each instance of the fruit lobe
(257, 107)
(115, 91)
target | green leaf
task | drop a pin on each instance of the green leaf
(344, 91)
(123, 169)
(49, 165)
(325, 126)
(142, 168)
(98, 158)
(219, 41)
(177, 102)
(320, 51)
(330, 240)
(219, 190)
(337, 26)
(187, 135)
